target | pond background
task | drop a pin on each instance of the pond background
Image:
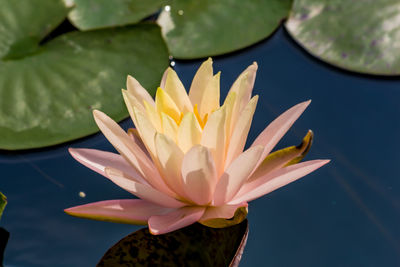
(344, 214)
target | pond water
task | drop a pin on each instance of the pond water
(344, 214)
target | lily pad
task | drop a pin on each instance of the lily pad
(94, 14)
(361, 36)
(195, 245)
(48, 91)
(195, 29)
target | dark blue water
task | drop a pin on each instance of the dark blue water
(345, 214)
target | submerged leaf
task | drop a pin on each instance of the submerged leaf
(196, 245)
(360, 36)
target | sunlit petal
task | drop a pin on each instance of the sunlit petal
(189, 132)
(203, 75)
(199, 175)
(175, 89)
(175, 220)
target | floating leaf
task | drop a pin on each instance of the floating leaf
(3, 203)
(194, 29)
(48, 92)
(195, 245)
(360, 36)
(94, 14)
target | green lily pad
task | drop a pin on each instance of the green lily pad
(195, 245)
(94, 14)
(361, 36)
(48, 91)
(195, 29)
(3, 203)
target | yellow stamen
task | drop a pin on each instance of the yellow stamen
(203, 121)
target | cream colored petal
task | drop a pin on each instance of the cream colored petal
(176, 90)
(146, 131)
(175, 220)
(164, 103)
(214, 137)
(210, 98)
(137, 90)
(170, 158)
(142, 191)
(189, 132)
(243, 86)
(236, 175)
(203, 75)
(131, 102)
(275, 180)
(199, 175)
(170, 128)
(240, 131)
(164, 79)
(153, 116)
(229, 103)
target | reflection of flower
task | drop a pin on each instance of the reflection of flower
(185, 159)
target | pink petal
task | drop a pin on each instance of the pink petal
(142, 191)
(275, 180)
(98, 160)
(224, 212)
(278, 128)
(163, 79)
(134, 134)
(199, 175)
(131, 211)
(130, 151)
(175, 220)
(236, 175)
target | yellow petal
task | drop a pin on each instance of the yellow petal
(214, 137)
(240, 132)
(164, 103)
(175, 89)
(210, 99)
(170, 128)
(203, 75)
(189, 132)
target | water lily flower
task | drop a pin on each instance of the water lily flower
(185, 160)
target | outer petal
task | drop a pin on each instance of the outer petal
(240, 132)
(200, 81)
(199, 175)
(175, 220)
(136, 89)
(134, 134)
(170, 158)
(176, 90)
(129, 150)
(142, 191)
(98, 160)
(189, 132)
(131, 211)
(236, 175)
(223, 212)
(214, 137)
(275, 180)
(277, 129)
